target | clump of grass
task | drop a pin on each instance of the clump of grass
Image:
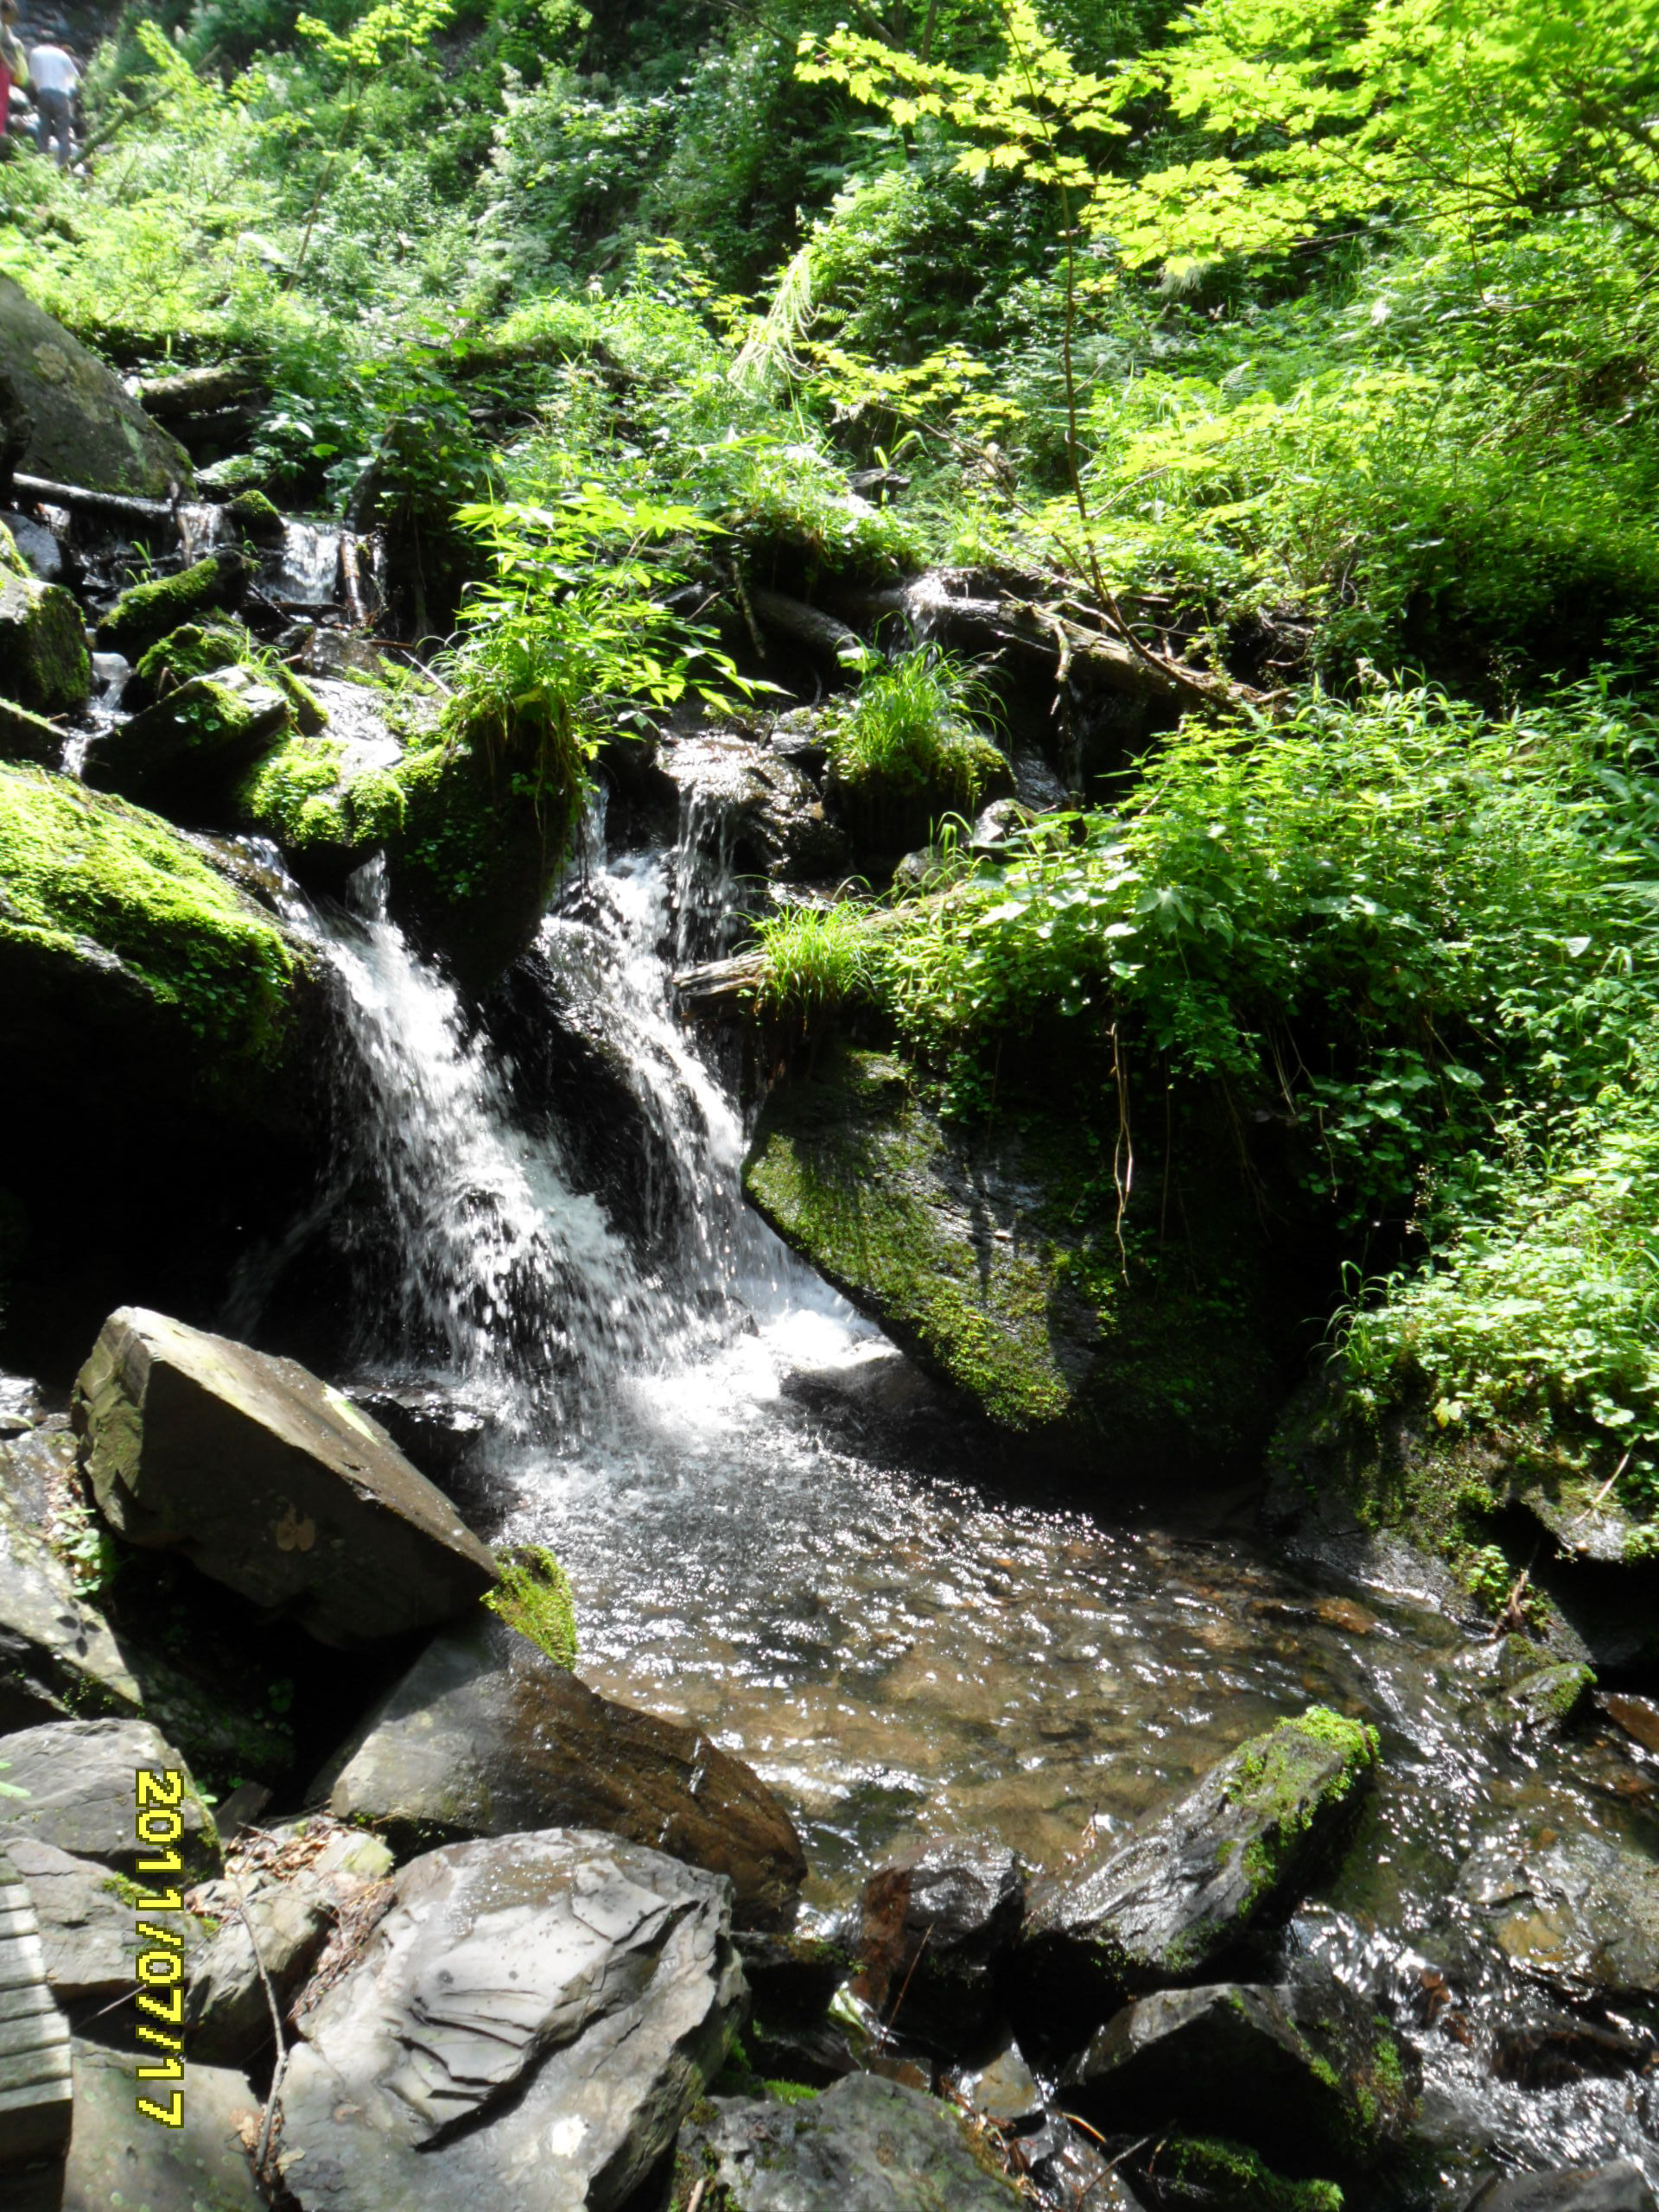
(815, 958)
(906, 729)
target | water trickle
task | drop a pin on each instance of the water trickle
(201, 526)
(305, 571)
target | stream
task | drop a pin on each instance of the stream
(777, 1527)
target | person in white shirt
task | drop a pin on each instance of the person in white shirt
(56, 81)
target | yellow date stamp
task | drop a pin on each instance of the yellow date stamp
(158, 1824)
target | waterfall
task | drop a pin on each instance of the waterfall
(305, 573)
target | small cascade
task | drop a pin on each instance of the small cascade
(201, 527)
(306, 571)
(705, 920)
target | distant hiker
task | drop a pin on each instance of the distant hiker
(13, 68)
(52, 73)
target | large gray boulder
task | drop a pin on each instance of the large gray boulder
(82, 427)
(865, 2146)
(269, 1481)
(1580, 1914)
(119, 2158)
(34, 2071)
(529, 2022)
(81, 1795)
(1192, 1880)
(57, 1656)
(88, 1929)
(486, 1734)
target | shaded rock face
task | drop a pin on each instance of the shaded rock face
(34, 2067)
(987, 1255)
(1191, 1881)
(544, 2005)
(149, 611)
(486, 1734)
(83, 429)
(1262, 2065)
(89, 1936)
(181, 752)
(78, 1775)
(936, 1923)
(118, 2157)
(755, 809)
(269, 1481)
(1581, 1914)
(57, 1656)
(44, 663)
(865, 2146)
(27, 736)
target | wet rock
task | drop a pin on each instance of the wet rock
(179, 754)
(78, 1775)
(88, 1931)
(1192, 1880)
(983, 1252)
(1638, 1716)
(1300, 2079)
(34, 2063)
(1618, 2187)
(1001, 2086)
(550, 2003)
(42, 552)
(1576, 1912)
(937, 1921)
(83, 429)
(865, 2146)
(150, 611)
(269, 1481)
(120, 2157)
(486, 1734)
(24, 736)
(57, 1656)
(1549, 2053)
(1213, 2175)
(755, 809)
(44, 665)
(1547, 1699)
(1071, 2170)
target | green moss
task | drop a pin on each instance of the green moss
(11, 561)
(26, 737)
(533, 1596)
(790, 2093)
(294, 797)
(201, 648)
(150, 610)
(1235, 2179)
(44, 665)
(1286, 1791)
(255, 515)
(78, 866)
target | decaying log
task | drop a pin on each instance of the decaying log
(199, 391)
(350, 580)
(720, 986)
(125, 505)
(808, 626)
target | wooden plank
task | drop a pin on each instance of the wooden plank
(36, 2070)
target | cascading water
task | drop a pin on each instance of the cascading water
(305, 572)
(773, 1526)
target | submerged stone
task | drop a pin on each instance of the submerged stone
(486, 1734)
(1580, 1913)
(1192, 1880)
(270, 1481)
(545, 2005)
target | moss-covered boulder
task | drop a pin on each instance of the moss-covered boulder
(149, 611)
(159, 1029)
(993, 1253)
(44, 663)
(255, 516)
(887, 812)
(181, 753)
(1193, 1881)
(83, 428)
(199, 649)
(24, 736)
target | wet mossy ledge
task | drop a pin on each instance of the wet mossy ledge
(1162, 1340)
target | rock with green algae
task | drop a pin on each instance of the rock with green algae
(1191, 1881)
(256, 516)
(125, 957)
(83, 427)
(199, 649)
(149, 611)
(11, 561)
(24, 736)
(182, 754)
(44, 663)
(1214, 2176)
(991, 1253)
(1304, 2074)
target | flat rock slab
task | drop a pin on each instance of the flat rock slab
(1580, 1914)
(528, 2024)
(1618, 2187)
(1192, 1880)
(269, 1481)
(34, 2067)
(88, 1928)
(865, 2146)
(120, 2158)
(79, 1777)
(485, 1735)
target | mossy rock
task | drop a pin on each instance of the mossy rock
(1218, 2177)
(992, 1253)
(886, 814)
(255, 516)
(182, 752)
(150, 611)
(534, 1597)
(200, 648)
(83, 426)
(44, 663)
(11, 561)
(24, 736)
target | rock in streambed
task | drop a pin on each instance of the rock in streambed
(486, 1734)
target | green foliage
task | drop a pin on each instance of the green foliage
(905, 730)
(816, 957)
(534, 1597)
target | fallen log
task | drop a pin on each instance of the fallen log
(199, 391)
(126, 506)
(718, 986)
(808, 626)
